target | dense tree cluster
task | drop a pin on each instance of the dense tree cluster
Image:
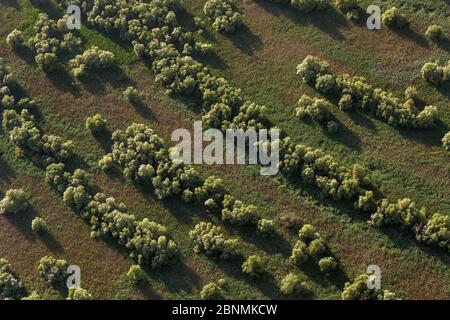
(292, 284)
(147, 241)
(254, 266)
(436, 74)
(210, 240)
(144, 157)
(53, 270)
(355, 92)
(52, 41)
(11, 288)
(359, 290)
(15, 201)
(91, 59)
(224, 15)
(431, 229)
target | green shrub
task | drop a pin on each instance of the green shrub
(317, 248)
(253, 266)
(236, 212)
(327, 265)
(209, 239)
(412, 93)
(437, 231)
(350, 8)
(433, 73)
(311, 68)
(309, 5)
(266, 227)
(96, 124)
(132, 94)
(317, 109)
(358, 290)
(292, 284)
(15, 39)
(79, 294)
(326, 84)
(10, 287)
(434, 33)
(394, 18)
(446, 141)
(38, 225)
(15, 201)
(47, 62)
(346, 102)
(106, 163)
(91, 59)
(33, 296)
(53, 270)
(224, 14)
(137, 274)
(211, 291)
(300, 253)
(308, 233)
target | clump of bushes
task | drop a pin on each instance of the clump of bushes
(253, 266)
(266, 227)
(292, 284)
(79, 294)
(106, 163)
(212, 291)
(317, 109)
(434, 33)
(224, 14)
(435, 74)
(38, 225)
(15, 201)
(11, 288)
(358, 290)
(91, 59)
(15, 39)
(210, 240)
(327, 265)
(446, 141)
(394, 18)
(136, 274)
(309, 5)
(96, 124)
(53, 270)
(132, 94)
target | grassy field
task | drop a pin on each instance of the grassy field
(260, 58)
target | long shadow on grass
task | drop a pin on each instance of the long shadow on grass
(245, 40)
(427, 137)
(400, 237)
(6, 172)
(412, 35)
(11, 3)
(22, 222)
(328, 21)
(51, 243)
(444, 44)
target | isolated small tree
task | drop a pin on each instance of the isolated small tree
(136, 274)
(327, 265)
(106, 163)
(132, 94)
(412, 93)
(38, 225)
(394, 18)
(15, 39)
(253, 266)
(434, 33)
(212, 291)
(53, 270)
(433, 73)
(292, 284)
(266, 227)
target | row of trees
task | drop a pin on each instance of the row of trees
(147, 241)
(355, 92)
(317, 109)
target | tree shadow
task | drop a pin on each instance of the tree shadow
(53, 11)
(104, 138)
(410, 34)
(426, 137)
(245, 40)
(51, 243)
(147, 292)
(273, 244)
(444, 89)
(63, 81)
(95, 81)
(177, 277)
(212, 60)
(25, 54)
(329, 24)
(22, 222)
(6, 172)
(444, 44)
(144, 111)
(362, 120)
(11, 3)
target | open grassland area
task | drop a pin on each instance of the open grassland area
(260, 57)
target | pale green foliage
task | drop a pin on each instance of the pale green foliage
(38, 225)
(446, 141)
(434, 33)
(15, 201)
(358, 290)
(15, 39)
(292, 285)
(106, 163)
(308, 233)
(309, 5)
(212, 291)
(209, 239)
(327, 265)
(317, 109)
(91, 59)
(311, 68)
(53, 270)
(224, 15)
(266, 227)
(137, 274)
(394, 18)
(132, 94)
(96, 124)
(79, 294)
(300, 253)
(253, 266)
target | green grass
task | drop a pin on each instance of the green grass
(407, 268)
